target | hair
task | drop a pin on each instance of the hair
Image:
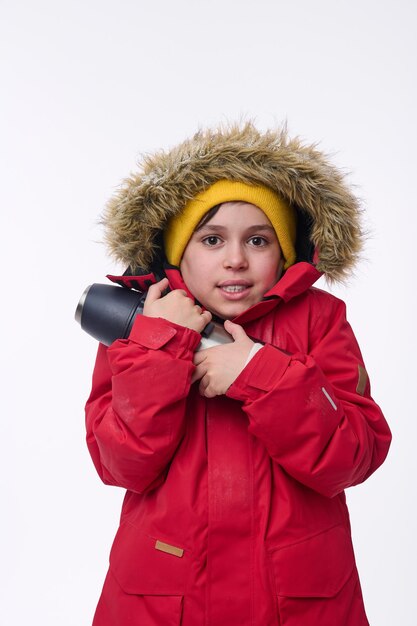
(207, 217)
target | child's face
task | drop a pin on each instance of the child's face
(232, 260)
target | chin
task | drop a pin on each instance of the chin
(230, 313)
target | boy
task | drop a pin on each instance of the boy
(235, 458)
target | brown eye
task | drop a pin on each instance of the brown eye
(258, 241)
(211, 241)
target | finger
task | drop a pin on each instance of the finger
(207, 316)
(198, 373)
(155, 291)
(204, 383)
(209, 392)
(200, 356)
(235, 330)
(181, 292)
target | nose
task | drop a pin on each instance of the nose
(235, 257)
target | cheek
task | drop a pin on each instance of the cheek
(269, 270)
(195, 273)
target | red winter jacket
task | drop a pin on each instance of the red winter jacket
(235, 512)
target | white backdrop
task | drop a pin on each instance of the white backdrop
(86, 87)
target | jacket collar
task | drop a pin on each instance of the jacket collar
(297, 279)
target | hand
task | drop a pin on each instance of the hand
(175, 307)
(218, 367)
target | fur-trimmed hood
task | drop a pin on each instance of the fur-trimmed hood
(328, 212)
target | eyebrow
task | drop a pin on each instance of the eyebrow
(255, 227)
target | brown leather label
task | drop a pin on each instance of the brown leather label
(362, 380)
(165, 547)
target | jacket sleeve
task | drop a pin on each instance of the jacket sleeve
(314, 412)
(135, 415)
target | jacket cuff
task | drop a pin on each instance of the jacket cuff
(156, 332)
(260, 374)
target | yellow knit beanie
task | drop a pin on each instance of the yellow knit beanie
(282, 216)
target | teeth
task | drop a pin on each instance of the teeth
(234, 288)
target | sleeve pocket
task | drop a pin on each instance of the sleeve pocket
(317, 567)
(140, 568)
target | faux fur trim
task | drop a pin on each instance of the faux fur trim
(137, 213)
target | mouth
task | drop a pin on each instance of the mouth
(234, 290)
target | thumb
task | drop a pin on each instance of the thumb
(235, 330)
(156, 290)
